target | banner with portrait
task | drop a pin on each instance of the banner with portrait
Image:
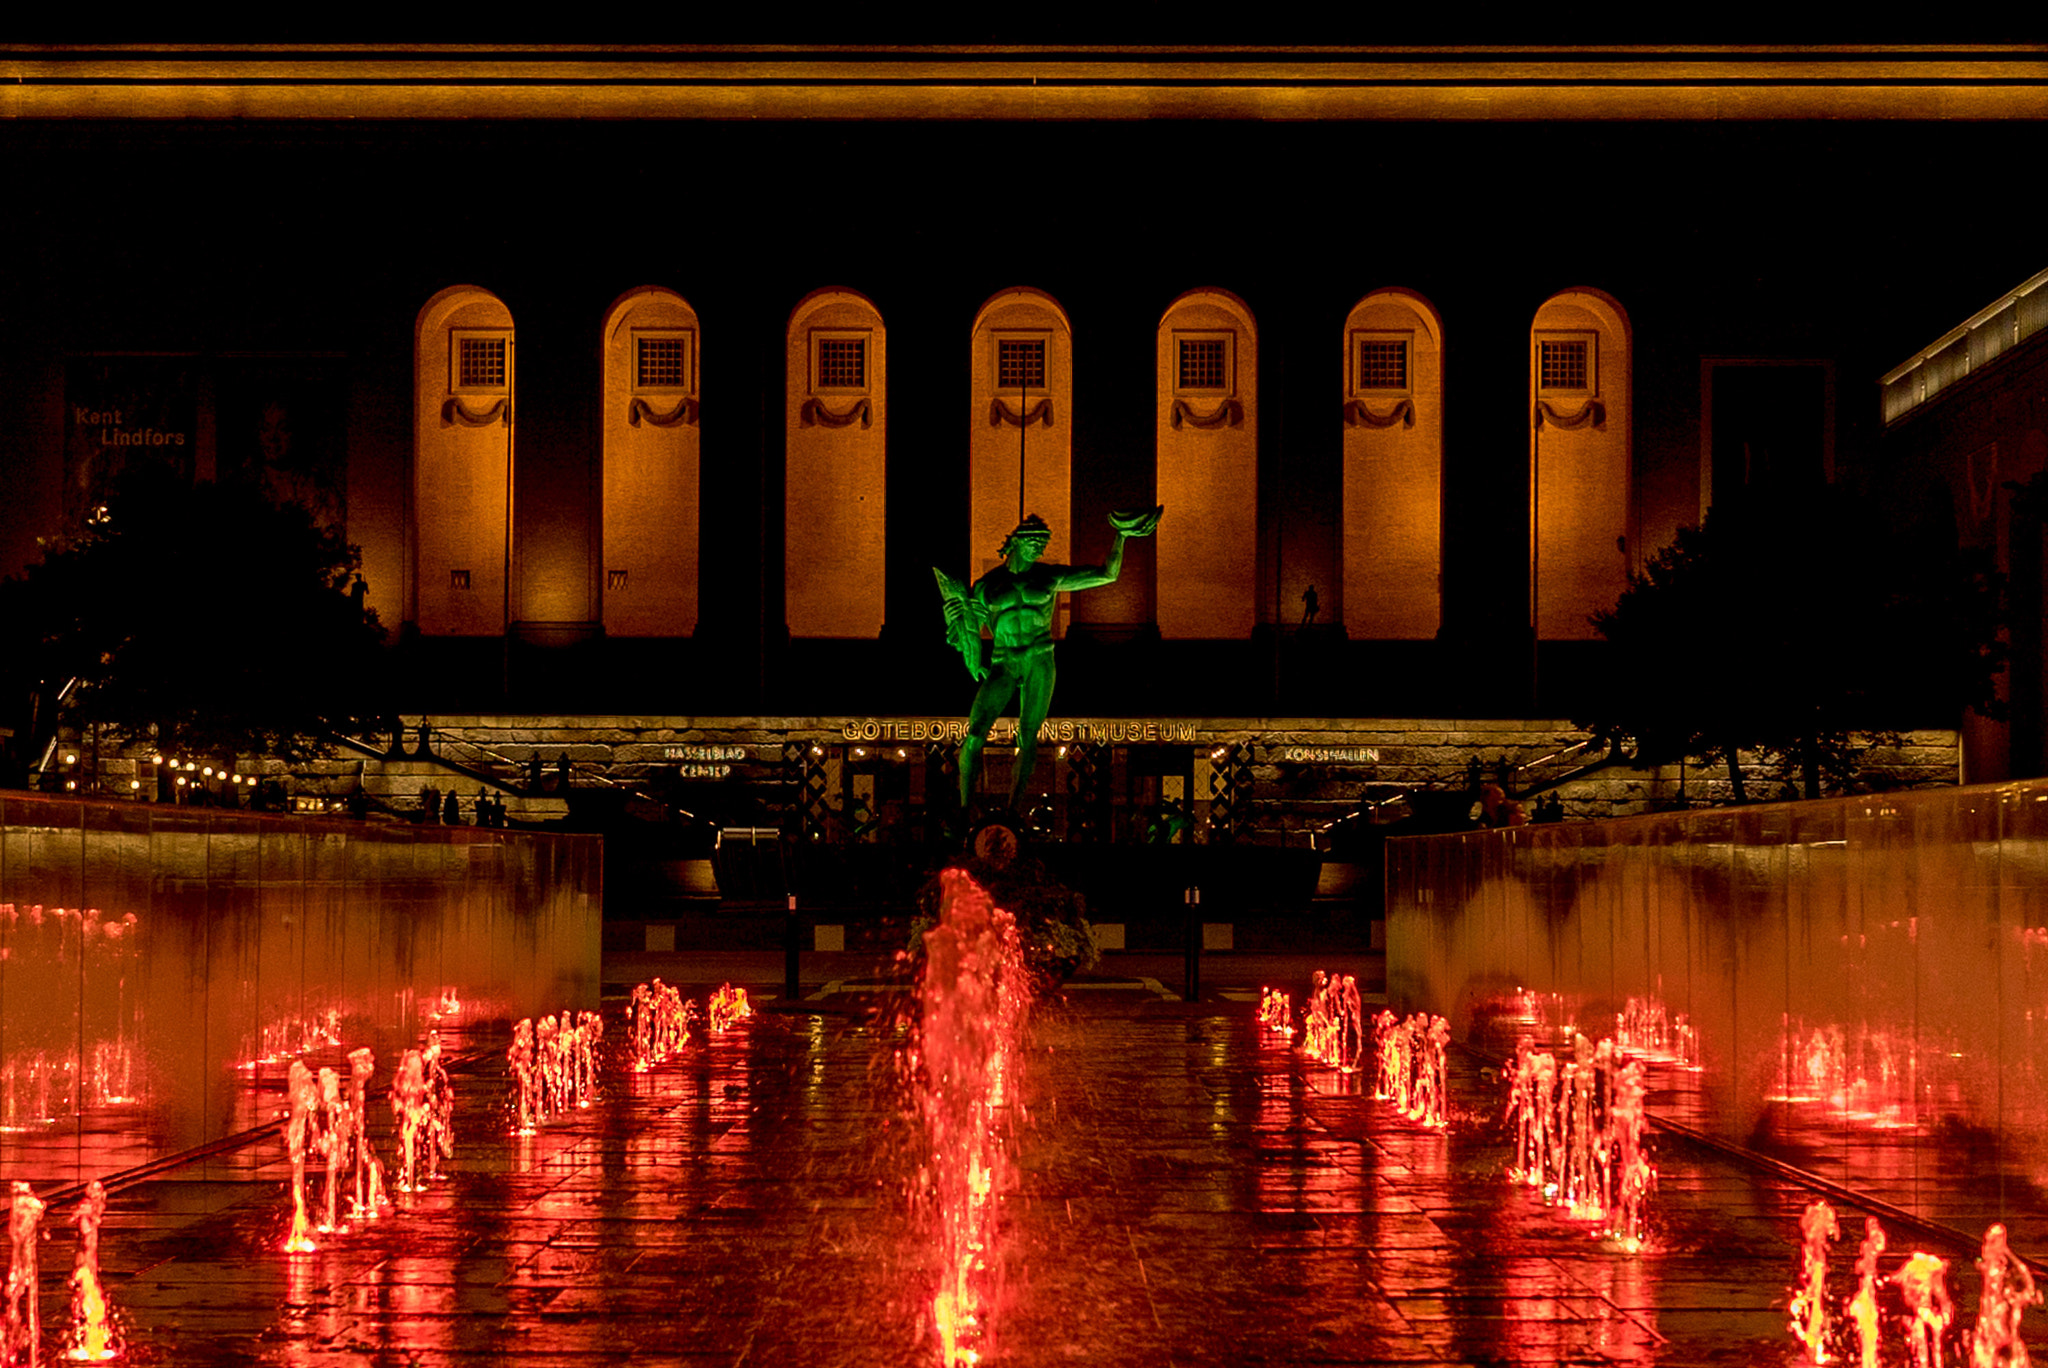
(281, 422)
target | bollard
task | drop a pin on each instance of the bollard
(792, 946)
(1192, 971)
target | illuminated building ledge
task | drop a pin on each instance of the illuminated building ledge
(1328, 762)
(1976, 342)
(1700, 83)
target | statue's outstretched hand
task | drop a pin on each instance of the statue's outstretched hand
(1138, 524)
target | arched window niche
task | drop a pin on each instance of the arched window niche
(1020, 425)
(1207, 467)
(1580, 475)
(1393, 468)
(651, 464)
(836, 431)
(464, 375)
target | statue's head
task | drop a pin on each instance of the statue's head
(1029, 540)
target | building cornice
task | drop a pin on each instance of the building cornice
(1506, 83)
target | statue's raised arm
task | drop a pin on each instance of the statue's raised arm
(1138, 523)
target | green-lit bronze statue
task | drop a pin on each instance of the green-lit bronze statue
(1015, 601)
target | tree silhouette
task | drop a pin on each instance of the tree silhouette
(203, 617)
(1792, 626)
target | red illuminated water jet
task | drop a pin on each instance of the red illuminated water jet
(368, 1195)
(973, 996)
(93, 1339)
(409, 1112)
(1578, 1134)
(301, 1136)
(334, 1144)
(2008, 1290)
(1333, 1024)
(440, 1126)
(554, 1067)
(1927, 1311)
(1413, 1066)
(1863, 1306)
(1809, 1324)
(1923, 1286)
(729, 1005)
(525, 1099)
(660, 1019)
(1276, 1012)
(21, 1334)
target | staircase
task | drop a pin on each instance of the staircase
(395, 783)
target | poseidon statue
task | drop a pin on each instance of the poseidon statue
(1015, 601)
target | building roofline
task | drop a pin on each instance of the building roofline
(1014, 81)
(1968, 325)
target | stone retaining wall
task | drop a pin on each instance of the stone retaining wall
(1304, 772)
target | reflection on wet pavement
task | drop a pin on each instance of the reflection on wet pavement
(1185, 1189)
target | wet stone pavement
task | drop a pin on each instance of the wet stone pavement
(1183, 1190)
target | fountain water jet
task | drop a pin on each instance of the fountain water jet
(973, 995)
(660, 1018)
(21, 1336)
(409, 1110)
(92, 1328)
(1333, 1028)
(1630, 1166)
(554, 1068)
(440, 1125)
(589, 1035)
(369, 1198)
(1863, 1306)
(302, 1133)
(1276, 1012)
(728, 1005)
(2008, 1291)
(1923, 1285)
(1412, 1066)
(1578, 1133)
(525, 1111)
(1809, 1325)
(340, 1135)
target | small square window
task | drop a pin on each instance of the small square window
(1380, 364)
(1203, 363)
(1020, 363)
(840, 363)
(615, 579)
(479, 362)
(458, 579)
(661, 361)
(1567, 363)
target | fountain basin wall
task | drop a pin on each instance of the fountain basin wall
(160, 965)
(1856, 986)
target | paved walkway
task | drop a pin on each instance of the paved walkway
(1185, 1192)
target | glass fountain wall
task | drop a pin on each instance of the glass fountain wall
(1858, 987)
(160, 966)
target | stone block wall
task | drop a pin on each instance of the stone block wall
(1305, 772)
